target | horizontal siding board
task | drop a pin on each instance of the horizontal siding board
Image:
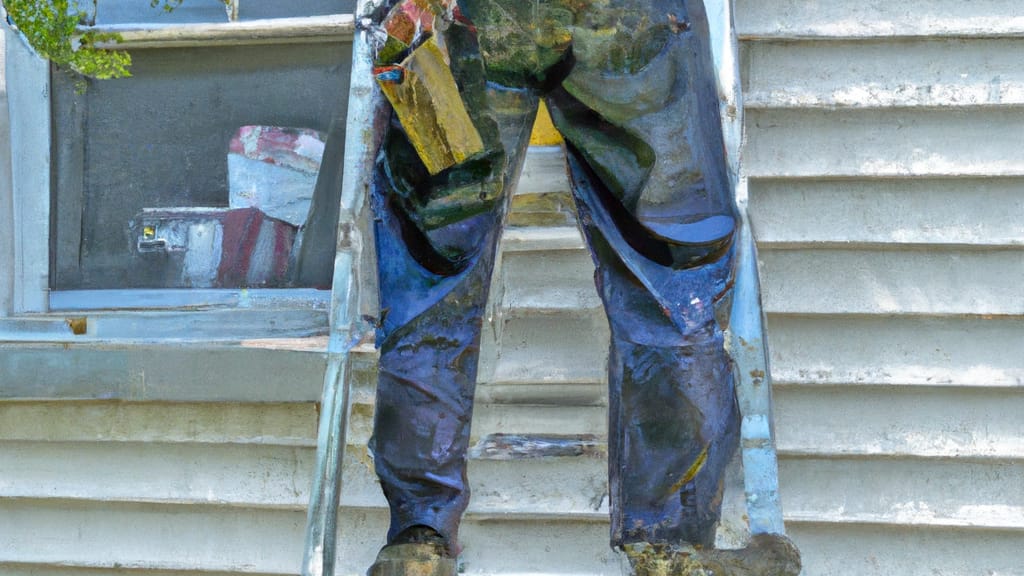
(236, 540)
(844, 19)
(274, 478)
(904, 492)
(884, 143)
(537, 239)
(112, 421)
(556, 348)
(572, 484)
(545, 209)
(892, 350)
(978, 212)
(527, 419)
(148, 536)
(543, 171)
(554, 280)
(875, 550)
(898, 421)
(215, 475)
(496, 545)
(172, 372)
(539, 548)
(884, 73)
(572, 394)
(861, 281)
(490, 418)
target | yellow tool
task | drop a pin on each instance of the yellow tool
(424, 95)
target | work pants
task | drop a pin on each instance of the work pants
(639, 113)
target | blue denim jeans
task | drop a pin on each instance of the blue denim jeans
(648, 174)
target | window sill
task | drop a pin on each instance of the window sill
(330, 28)
(231, 346)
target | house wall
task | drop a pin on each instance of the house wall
(885, 177)
(885, 184)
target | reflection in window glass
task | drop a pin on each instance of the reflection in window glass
(272, 174)
(202, 170)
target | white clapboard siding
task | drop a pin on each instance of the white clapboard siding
(897, 211)
(97, 492)
(886, 182)
(798, 19)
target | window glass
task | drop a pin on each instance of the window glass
(272, 174)
(206, 169)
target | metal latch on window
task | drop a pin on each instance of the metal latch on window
(162, 231)
(149, 241)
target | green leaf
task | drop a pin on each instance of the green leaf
(50, 27)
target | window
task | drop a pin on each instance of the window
(141, 194)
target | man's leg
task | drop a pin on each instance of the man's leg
(646, 157)
(673, 421)
(640, 117)
(436, 239)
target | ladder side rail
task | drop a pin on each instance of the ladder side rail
(361, 140)
(748, 345)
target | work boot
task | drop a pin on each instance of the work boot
(417, 551)
(766, 555)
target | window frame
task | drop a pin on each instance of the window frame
(232, 324)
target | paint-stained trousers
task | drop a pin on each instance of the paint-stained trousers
(631, 88)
